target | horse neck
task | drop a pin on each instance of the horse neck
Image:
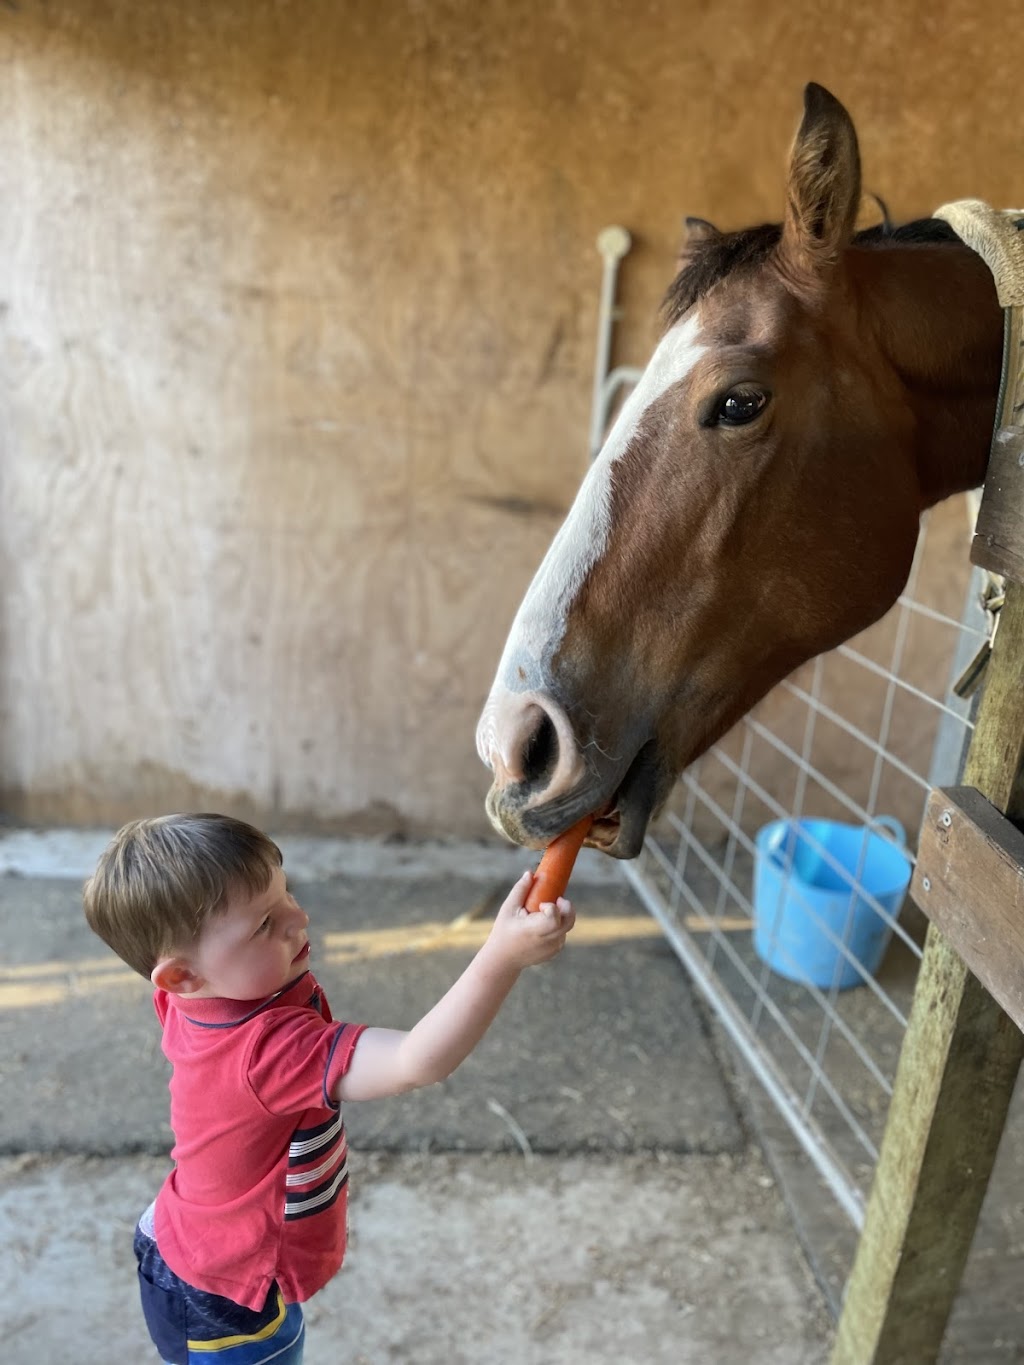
(937, 319)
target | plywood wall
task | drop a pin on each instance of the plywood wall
(297, 315)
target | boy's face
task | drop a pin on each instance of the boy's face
(253, 946)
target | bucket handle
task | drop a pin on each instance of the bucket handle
(785, 828)
(894, 827)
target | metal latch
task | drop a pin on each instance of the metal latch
(992, 600)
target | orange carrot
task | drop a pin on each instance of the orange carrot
(552, 876)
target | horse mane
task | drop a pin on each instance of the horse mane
(720, 254)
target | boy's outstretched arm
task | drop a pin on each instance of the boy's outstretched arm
(390, 1061)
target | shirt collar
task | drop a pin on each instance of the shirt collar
(216, 1012)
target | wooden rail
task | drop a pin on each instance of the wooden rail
(955, 1077)
(969, 880)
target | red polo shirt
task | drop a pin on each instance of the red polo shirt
(259, 1189)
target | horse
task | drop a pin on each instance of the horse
(757, 500)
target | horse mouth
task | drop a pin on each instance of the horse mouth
(605, 829)
(620, 821)
(620, 826)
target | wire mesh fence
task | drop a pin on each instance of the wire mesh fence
(778, 870)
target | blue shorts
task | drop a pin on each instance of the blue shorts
(192, 1327)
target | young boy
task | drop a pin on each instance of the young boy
(251, 1221)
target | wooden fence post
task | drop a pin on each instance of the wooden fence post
(954, 1082)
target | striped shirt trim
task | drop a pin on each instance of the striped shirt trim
(315, 1200)
(318, 1172)
(306, 1143)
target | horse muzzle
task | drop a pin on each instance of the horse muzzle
(544, 780)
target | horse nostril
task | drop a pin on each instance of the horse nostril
(528, 742)
(541, 751)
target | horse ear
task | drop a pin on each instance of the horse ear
(699, 230)
(823, 190)
(696, 231)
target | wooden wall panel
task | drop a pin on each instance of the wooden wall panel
(297, 311)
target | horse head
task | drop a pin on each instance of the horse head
(756, 502)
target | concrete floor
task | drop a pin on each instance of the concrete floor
(484, 1257)
(584, 1189)
(591, 1186)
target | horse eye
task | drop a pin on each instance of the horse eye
(741, 406)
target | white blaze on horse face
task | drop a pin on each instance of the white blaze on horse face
(540, 623)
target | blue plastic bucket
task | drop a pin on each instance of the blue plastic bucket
(811, 878)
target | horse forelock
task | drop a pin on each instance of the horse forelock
(714, 258)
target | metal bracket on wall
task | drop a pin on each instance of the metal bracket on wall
(613, 243)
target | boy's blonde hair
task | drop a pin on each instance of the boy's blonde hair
(159, 879)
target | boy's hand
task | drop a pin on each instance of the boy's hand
(523, 940)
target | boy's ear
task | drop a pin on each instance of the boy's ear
(176, 976)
